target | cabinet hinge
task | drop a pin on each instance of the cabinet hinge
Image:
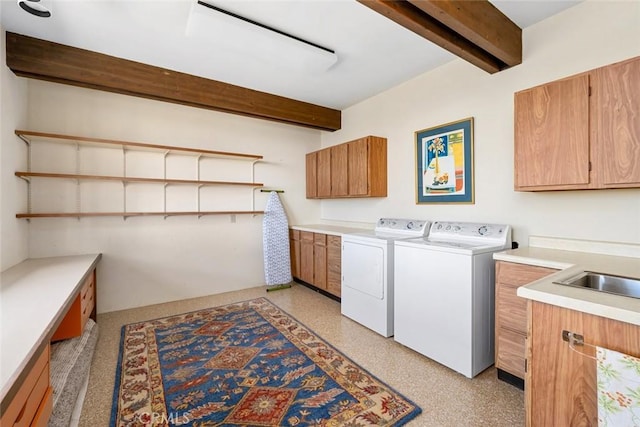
(589, 166)
(525, 366)
(589, 91)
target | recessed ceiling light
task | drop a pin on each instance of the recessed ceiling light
(35, 7)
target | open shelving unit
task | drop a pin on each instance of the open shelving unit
(29, 137)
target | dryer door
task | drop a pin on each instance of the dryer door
(364, 267)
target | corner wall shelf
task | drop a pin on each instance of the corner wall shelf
(78, 141)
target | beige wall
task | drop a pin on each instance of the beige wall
(150, 259)
(589, 35)
(13, 114)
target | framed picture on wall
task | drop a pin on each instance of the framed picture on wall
(444, 163)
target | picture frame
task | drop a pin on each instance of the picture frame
(444, 163)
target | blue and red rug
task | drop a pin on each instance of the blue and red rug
(244, 364)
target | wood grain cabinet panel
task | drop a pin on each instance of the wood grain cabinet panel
(561, 383)
(552, 134)
(339, 171)
(316, 260)
(311, 169)
(306, 256)
(324, 173)
(511, 314)
(353, 169)
(294, 249)
(616, 124)
(581, 132)
(334, 265)
(320, 261)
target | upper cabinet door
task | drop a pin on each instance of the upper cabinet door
(616, 124)
(552, 135)
(339, 175)
(324, 173)
(358, 167)
(312, 175)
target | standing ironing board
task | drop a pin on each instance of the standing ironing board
(275, 232)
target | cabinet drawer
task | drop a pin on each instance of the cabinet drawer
(511, 354)
(41, 418)
(511, 310)
(520, 274)
(88, 302)
(306, 236)
(23, 407)
(294, 234)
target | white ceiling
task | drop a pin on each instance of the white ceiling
(373, 52)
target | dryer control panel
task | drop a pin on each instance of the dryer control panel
(499, 234)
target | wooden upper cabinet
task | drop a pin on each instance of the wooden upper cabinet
(324, 173)
(353, 169)
(581, 132)
(339, 172)
(312, 175)
(616, 124)
(552, 134)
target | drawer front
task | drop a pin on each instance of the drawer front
(87, 298)
(520, 274)
(294, 234)
(306, 236)
(22, 409)
(510, 356)
(44, 411)
(511, 310)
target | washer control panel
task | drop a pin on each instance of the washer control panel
(413, 227)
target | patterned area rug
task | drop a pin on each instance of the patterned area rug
(244, 364)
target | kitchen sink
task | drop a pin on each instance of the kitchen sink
(626, 286)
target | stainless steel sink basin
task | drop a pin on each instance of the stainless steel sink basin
(605, 283)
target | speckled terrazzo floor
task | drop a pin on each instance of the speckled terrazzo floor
(446, 397)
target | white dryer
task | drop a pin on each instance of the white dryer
(367, 272)
(444, 293)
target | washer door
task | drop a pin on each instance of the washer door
(363, 268)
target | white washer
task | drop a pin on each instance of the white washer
(444, 293)
(367, 272)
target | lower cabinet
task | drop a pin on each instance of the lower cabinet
(81, 309)
(334, 265)
(33, 403)
(511, 317)
(316, 260)
(561, 384)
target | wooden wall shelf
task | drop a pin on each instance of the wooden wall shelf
(132, 179)
(77, 212)
(129, 214)
(25, 136)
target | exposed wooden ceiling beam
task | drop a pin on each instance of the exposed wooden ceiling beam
(45, 60)
(476, 31)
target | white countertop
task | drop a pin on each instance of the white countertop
(33, 294)
(570, 263)
(335, 230)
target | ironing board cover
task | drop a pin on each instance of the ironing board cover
(275, 232)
